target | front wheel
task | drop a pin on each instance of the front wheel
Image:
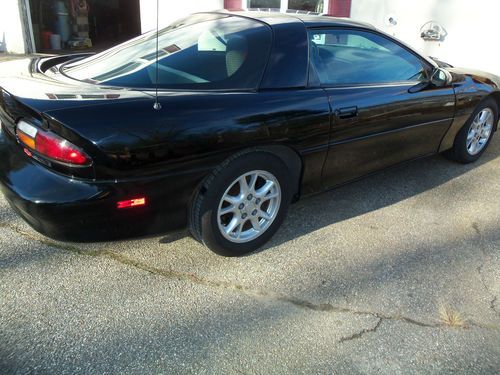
(242, 203)
(473, 139)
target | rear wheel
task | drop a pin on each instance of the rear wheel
(473, 139)
(242, 203)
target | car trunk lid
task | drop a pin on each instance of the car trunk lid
(38, 84)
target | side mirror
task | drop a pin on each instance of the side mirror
(440, 77)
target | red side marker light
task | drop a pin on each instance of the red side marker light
(130, 203)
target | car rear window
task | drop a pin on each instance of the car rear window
(201, 52)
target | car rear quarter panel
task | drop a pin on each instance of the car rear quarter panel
(199, 130)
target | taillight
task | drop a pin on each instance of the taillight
(50, 145)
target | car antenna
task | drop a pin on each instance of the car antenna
(157, 105)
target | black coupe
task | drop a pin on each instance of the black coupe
(234, 116)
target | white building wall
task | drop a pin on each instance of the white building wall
(11, 32)
(171, 10)
(472, 28)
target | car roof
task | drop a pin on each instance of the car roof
(310, 20)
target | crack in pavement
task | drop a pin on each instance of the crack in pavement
(48, 242)
(256, 293)
(486, 287)
(362, 332)
(493, 305)
(479, 269)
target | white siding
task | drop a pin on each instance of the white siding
(171, 10)
(11, 32)
(472, 26)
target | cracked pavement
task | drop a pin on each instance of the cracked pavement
(352, 283)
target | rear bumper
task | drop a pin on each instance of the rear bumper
(74, 210)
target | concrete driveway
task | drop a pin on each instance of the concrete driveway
(398, 273)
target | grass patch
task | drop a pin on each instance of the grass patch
(451, 318)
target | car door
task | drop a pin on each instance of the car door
(382, 112)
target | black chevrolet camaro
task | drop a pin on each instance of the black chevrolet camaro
(252, 112)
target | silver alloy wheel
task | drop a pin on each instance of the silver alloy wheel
(480, 131)
(249, 206)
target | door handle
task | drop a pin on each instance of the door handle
(347, 112)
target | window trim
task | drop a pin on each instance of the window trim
(284, 5)
(426, 64)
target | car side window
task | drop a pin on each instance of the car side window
(351, 57)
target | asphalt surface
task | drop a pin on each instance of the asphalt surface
(355, 282)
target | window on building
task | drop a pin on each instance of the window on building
(306, 5)
(273, 4)
(302, 5)
(214, 52)
(357, 57)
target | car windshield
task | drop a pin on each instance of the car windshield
(206, 51)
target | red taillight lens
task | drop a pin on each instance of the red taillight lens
(59, 149)
(50, 145)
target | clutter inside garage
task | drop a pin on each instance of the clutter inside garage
(89, 25)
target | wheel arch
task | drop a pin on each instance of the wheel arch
(291, 159)
(496, 96)
(459, 121)
(289, 156)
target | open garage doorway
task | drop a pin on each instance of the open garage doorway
(64, 26)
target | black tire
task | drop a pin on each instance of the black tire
(459, 151)
(204, 221)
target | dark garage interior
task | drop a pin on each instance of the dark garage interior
(93, 25)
